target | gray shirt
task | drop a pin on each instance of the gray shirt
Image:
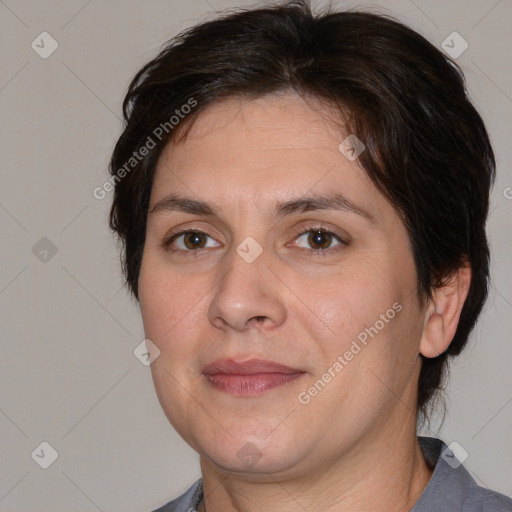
(450, 489)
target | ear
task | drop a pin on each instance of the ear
(443, 313)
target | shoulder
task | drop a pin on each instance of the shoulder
(486, 500)
(452, 487)
(187, 502)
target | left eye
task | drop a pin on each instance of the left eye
(320, 238)
(190, 240)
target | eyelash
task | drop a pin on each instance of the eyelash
(197, 252)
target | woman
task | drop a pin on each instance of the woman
(302, 201)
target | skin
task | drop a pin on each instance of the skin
(354, 445)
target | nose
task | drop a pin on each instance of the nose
(247, 296)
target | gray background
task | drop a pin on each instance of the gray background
(68, 374)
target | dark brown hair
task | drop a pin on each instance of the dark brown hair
(427, 149)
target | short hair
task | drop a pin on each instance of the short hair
(427, 149)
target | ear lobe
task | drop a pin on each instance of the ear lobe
(443, 313)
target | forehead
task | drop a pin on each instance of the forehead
(269, 149)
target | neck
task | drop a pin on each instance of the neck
(386, 474)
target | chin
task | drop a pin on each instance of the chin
(250, 453)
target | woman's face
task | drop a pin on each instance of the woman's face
(254, 280)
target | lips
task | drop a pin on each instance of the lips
(249, 377)
(252, 366)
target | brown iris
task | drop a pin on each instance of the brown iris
(195, 240)
(319, 238)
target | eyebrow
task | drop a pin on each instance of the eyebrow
(337, 202)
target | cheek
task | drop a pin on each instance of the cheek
(369, 325)
(171, 308)
(156, 305)
(353, 301)
(161, 296)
